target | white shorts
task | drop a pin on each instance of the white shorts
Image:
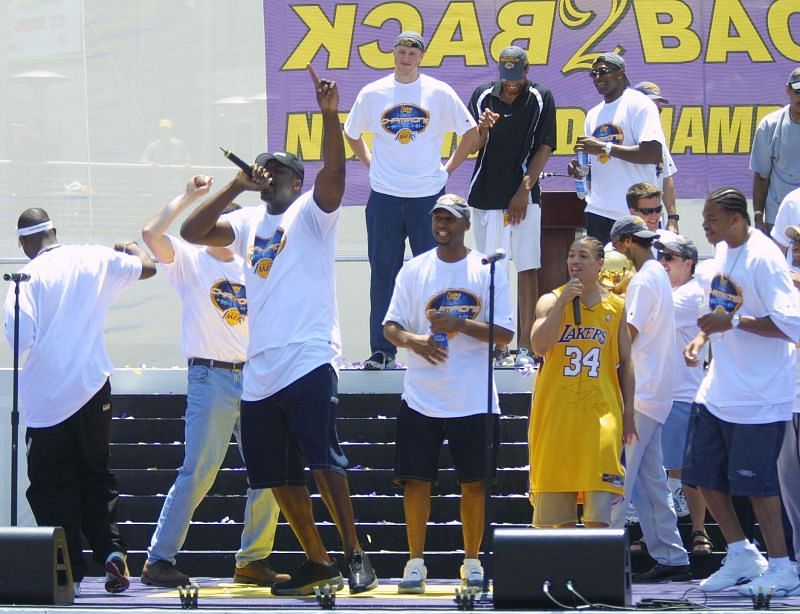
(521, 242)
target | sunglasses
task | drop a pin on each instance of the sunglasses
(794, 91)
(650, 211)
(668, 257)
(601, 72)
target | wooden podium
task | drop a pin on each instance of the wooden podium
(562, 219)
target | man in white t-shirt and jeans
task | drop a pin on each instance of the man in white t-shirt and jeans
(745, 400)
(439, 312)
(408, 114)
(211, 285)
(651, 322)
(65, 394)
(290, 384)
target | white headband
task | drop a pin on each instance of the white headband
(32, 230)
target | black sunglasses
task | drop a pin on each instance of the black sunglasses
(668, 257)
(650, 211)
(601, 72)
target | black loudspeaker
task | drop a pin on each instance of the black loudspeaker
(528, 563)
(34, 567)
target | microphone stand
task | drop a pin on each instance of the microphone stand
(15, 401)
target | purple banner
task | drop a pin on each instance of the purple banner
(723, 64)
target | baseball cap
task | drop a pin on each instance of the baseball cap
(794, 79)
(679, 245)
(285, 158)
(409, 38)
(454, 204)
(614, 59)
(631, 225)
(651, 90)
(513, 61)
(792, 232)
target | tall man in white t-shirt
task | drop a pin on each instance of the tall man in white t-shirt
(65, 394)
(211, 285)
(408, 114)
(651, 322)
(625, 141)
(745, 400)
(290, 385)
(439, 312)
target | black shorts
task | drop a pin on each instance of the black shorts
(419, 440)
(291, 429)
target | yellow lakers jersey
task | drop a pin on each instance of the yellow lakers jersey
(575, 429)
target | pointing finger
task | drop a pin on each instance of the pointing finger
(314, 77)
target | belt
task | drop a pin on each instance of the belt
(215, 364)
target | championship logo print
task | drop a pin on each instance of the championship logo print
(608, 133)
(459, 303)
(725, 295)
(263, 252)
(231, 299)
(405, 121)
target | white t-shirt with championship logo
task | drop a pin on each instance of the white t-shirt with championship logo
(688, 299)
(456, 387)
(408, 122)
(751, 378)
(214, 302)
(648, 303)
(63, 309)
(291, 292)
(629, 120)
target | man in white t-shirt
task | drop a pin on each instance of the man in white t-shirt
(210, 282)
(742, 406)
(651, 322)
(408, 114)
(64, 392)
(290, 384)
(788, 216)
(439, 312)
(626, 142)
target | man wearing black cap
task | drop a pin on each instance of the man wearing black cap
(624, 138)
(774, 156)
(289, 397)
(438, 313)
(408, 114)
(65, 392)
(517, 129)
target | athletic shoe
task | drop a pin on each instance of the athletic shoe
(360, 575)
(472, 574)
(679, 500)
(414, 575)
(663, 573)
(164, 574)
(781, 582)
(309, 576)
(117, 576)
(631, 516)
(259, 573)
(524, 358)
(379, 361)
(736, 569)
(502, 358)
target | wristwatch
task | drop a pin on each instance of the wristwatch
(607, 147)
(674, 216)
(735, 319)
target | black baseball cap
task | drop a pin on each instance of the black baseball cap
(454, 204)
(512, 61)
(631, 225)
(285, 158)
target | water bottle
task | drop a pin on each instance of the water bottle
(440, 339)
(582, 168)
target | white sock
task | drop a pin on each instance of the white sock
(737, 547)
(779, 562)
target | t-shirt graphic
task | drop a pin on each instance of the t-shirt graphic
(230, 298)
(608, 133)
(263, 253)
(405, 121)
(725, 296)
(458, 303)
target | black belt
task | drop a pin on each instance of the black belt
(215, 364)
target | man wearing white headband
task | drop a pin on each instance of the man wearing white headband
(62, 308)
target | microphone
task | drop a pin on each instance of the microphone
(17, 277)
(576, 310)
(237, 161)
(499, 254)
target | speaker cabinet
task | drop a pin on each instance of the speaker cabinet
(34, 566)
(594, 562)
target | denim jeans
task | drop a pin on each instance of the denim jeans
(390, 219)
(212, 414)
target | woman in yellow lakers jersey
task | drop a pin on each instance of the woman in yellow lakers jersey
(576, 425)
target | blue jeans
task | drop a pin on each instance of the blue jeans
(212, 414)
(390, 219)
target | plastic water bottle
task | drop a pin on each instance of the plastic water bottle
(582, 183)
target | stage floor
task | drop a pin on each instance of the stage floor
(218, 594)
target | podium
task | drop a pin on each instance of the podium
(562, 220)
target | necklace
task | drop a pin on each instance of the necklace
(47, 249)
(727, 276)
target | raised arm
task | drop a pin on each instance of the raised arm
(132, 248)
(329, 185)
(549, 309)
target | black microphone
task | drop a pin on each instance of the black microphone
(499, 254)
(237, 161)
(576, 310)
(16, 277)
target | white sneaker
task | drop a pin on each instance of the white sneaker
(523, 359)
(76, 588)
(736, 569)
(679, 500)
(781, 582)
(472, 573)
(414, 574)
(631, 517)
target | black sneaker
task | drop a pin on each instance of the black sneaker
(360, 575)
(379, 361)
(663, 573)
(309, 575)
